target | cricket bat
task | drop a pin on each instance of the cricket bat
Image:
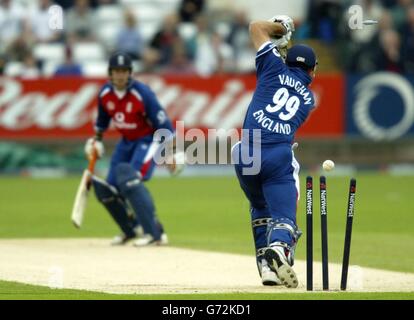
(81, 198)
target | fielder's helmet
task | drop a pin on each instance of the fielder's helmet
(120, 60)
(301, 56)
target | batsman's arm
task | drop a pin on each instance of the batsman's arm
(102, 121)
(159, 119)
(94, 147)
(154, 111)
(264, 31)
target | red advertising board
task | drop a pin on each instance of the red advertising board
(65, 108)
(328, 118)
(47, 108)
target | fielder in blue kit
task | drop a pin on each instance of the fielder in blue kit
(280, 105)
(135, 112)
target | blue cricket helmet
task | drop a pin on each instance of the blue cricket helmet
(120, 60)
(301, 56)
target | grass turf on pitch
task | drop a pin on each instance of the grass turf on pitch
(19, 291)
(212, 214)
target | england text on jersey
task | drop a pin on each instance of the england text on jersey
(272, 125)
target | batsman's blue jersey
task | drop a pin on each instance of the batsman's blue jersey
(280, 105)
(281, 102)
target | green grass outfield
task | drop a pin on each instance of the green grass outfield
(211, 214)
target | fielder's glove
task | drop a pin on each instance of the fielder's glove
(93, 144)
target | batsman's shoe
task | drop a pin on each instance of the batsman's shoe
(139, 231)
(121, 240)
(124, 239)
(269, 277)
(278, 262)
(148, 240)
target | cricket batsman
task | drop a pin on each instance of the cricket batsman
(280, 105)
(136, 114)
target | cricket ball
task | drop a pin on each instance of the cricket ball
(328, 165)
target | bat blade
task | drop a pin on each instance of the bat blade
(80, 200)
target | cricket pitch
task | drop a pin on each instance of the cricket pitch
(92, 264)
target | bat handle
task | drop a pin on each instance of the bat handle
(92, 161)
(91, 167)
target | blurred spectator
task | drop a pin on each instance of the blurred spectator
(363, 44)
(399, 13)
(227, 47)
(80, 22)
(23, 45)
(129, 39)
(373, 11)
(30, 68)
(386, 46)
(11, 18)
(20, 43)
(3, 62)
(180, 63)
(161, 46)
(386, 22)
(323, 19)
(388, 57)
(388, 3)
(65, 4)
(190, 9)
(239, 31)
(97, 3)
(382, 52)
(69, 67)
(224, 54)
(39, 22)
(239, 39)
(202, 34)
(408, 42)
(210, 52)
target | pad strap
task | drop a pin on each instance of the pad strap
(260, 252)
(280, 244)
(286, 224)
(261, 222)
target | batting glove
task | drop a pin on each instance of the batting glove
(285, 21)
(93, 144)
(282, 42)
(177, 163)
